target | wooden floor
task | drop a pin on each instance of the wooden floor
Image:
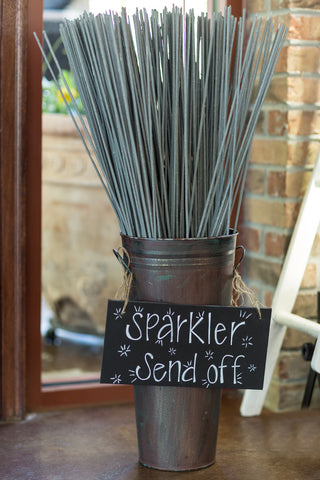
(100, 444)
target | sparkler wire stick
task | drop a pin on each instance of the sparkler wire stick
(172, 103)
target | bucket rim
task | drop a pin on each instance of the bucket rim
(232, 233)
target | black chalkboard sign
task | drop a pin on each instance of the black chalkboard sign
(185, 345)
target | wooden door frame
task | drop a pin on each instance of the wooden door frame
(20, 221)
(13, 166)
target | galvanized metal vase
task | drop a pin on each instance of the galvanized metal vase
(177, 426)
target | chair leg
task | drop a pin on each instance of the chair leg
(309, 388)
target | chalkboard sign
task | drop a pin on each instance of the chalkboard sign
(185, 345)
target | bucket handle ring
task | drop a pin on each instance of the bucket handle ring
(127, 275)
(243, 253)
(122, 261)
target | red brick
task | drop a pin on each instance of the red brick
(277, 91)
(306, 305)
(268, 297)
(252, 239)
(276, 244)
(282, 64)
(260, 129)
(291, 213)
(293, 90)
(303, 90)
(262, 270)
(276, 184)
(302, 153)
(297, 183)
(287, 184)
(254, 6)
(267, 212)
(255, 181)
(316, 246)
(304, 27)
(302, 59)
(291, 366)
(277, 122)
(309, 279)
(269, 151)
(304, 122)
(264, 212)
(295, 339)
(279, 4)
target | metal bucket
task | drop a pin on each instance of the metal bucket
(177, 426)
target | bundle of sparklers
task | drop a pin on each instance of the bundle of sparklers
(171, 105)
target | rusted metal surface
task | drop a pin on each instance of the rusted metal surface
(177, 426)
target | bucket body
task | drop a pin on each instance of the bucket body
(177, 426)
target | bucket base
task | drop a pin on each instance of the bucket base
(172, 469)
(177, 426)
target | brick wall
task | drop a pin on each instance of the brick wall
(284, 150)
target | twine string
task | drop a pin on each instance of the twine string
(240, 290)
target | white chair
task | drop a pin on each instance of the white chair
(286, 292)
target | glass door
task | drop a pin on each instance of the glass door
(79, 228)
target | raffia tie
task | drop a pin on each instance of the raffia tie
(123, 291)
(240, 290)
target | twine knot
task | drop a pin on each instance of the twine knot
(240, 290)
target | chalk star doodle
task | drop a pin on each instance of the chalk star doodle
(205, 383)
(172, 351)
(246, 341)
(124, 350)
(138, 309)
(200, 315)
(188, 364)
(132, 373)
(116, 378)
(239, 378)
(252, 368)
(209, 354)
(243, 314)
(170, 312)
(117, 313)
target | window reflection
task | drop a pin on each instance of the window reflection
(79, 228)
